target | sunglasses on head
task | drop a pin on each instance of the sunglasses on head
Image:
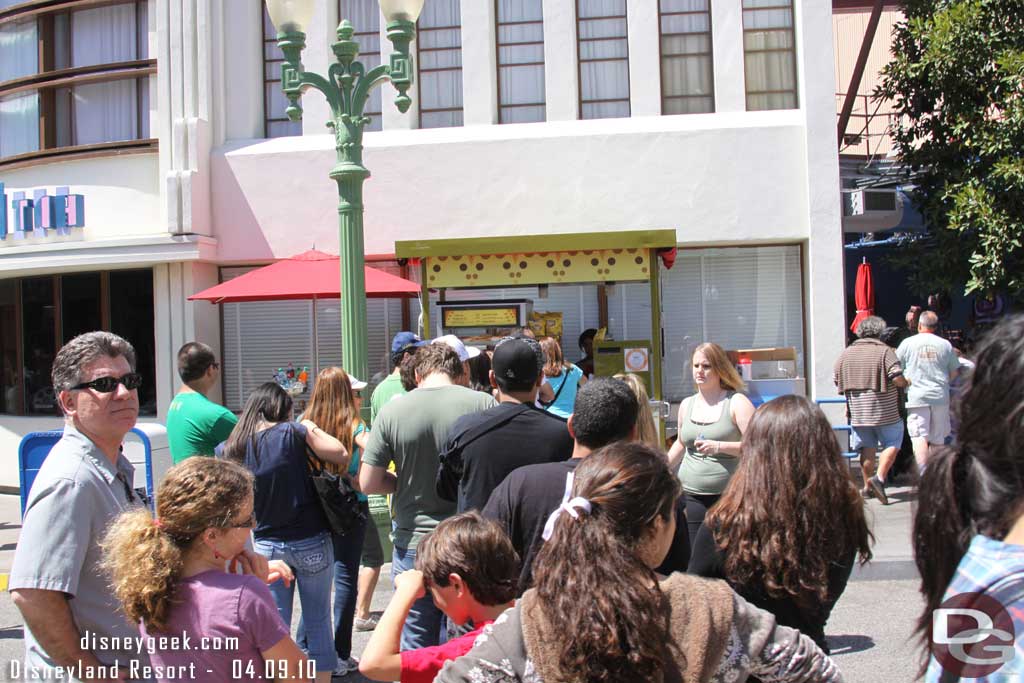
(105, 385)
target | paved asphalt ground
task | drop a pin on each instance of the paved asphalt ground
(869, 631)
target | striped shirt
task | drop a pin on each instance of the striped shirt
(863, 364)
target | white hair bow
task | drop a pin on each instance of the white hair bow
(567, 505)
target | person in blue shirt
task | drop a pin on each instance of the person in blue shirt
(563, 379)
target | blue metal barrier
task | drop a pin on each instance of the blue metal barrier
(36, 446)
(835, 400)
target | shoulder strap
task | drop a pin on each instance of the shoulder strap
(565, 378)
(489, 425)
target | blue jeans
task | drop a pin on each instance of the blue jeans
(426, 625)
(310, 560)
(347, 551)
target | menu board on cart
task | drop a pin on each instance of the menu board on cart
(491, 316)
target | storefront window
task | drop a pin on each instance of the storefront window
(51, 310)
(131, 316)
(38, 325)
(10, 396)
(80, 304)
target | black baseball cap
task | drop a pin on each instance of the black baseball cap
(517, 363)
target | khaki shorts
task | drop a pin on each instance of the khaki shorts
(929, 422)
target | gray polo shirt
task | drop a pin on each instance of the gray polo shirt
(73, 499)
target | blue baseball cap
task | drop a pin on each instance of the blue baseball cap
(404, 340)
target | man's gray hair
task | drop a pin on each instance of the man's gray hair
(928, 320)
(871, 326)
(84, 349)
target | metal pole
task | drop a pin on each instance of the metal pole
(316, 344)
(353, 279)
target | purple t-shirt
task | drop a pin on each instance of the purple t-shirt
(209, 608)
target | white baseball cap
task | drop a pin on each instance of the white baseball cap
(357, 384)
(457, 345)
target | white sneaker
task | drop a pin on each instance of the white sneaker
(346, 667)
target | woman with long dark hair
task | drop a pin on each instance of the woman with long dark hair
(790, 525)
(599, 612)
(290, 525)
(169, 574)
(335, 406)
(969, 527)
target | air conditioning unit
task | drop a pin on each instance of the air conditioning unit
(871, 210)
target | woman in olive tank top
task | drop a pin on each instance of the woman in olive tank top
(711, 426)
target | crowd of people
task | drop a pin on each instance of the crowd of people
(541, 529)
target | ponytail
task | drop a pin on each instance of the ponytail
(145, 564)
(589, 576)
(145, 557)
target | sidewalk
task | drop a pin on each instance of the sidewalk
(869, 630)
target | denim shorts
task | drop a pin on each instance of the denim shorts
(879, 438)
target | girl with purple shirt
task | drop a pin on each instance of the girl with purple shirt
(200, 622)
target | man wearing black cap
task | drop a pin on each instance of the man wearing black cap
(403, 344)
(483, 448)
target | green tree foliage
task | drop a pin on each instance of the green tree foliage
(957, 82)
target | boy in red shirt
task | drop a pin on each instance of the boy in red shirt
(470, 568)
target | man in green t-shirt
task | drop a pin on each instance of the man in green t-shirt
(411, 431)
(403, 344)
(195, 424)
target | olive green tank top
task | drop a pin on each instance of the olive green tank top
(707, 474)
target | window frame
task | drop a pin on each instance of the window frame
(791, 30)
(662, 56)
(580, 61)
(498, 24)
(420, 70)
(47, 81)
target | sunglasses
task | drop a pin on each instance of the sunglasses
(105, 385)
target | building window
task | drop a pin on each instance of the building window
(769, 45)
(74, 80)
(439, 54)
(276, 123)
(520, 61)
(687, 75)
(41, 314)
(603, 51)
(364, 15)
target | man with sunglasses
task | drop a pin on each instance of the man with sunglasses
(195, 424)
(71, 615)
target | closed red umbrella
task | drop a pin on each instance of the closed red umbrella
(864, 295)
(310, 275)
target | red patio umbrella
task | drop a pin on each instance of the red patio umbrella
(864, 295)
(309, 275)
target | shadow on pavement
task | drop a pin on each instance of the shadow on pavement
(844, 645)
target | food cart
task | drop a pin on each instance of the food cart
(526, 260)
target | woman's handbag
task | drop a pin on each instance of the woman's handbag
(338, 499)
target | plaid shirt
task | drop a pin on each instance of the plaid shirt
(986, 567)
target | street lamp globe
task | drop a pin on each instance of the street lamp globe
(291, 16)
(401, 10)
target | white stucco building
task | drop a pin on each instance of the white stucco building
(528, 117)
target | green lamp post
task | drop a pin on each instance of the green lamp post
(347, 86)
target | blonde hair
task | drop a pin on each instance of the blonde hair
(646, 431)
(554, 363)
(145, 557)
(719, 359)
(333, 408)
